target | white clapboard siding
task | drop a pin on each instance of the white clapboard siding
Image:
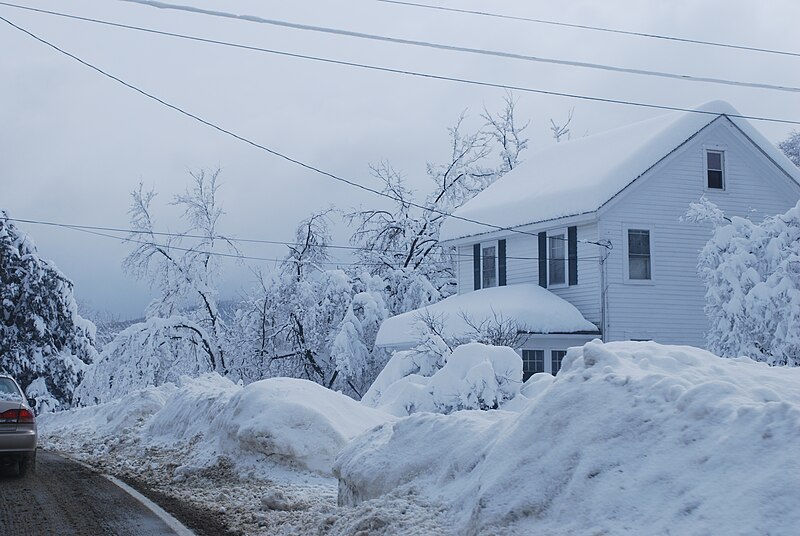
(671, 308)
(522, 266)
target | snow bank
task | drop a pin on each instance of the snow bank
(204, 420)
(629, 438)
(530, 306)
(475, 376)
(296, 421)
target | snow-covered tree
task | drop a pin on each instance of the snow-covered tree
(791, 147)
(752, 277)
(401, 243)
(44, 342)
(183, 267)
(153, 352)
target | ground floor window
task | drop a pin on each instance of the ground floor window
(532, 362)
(556, 356)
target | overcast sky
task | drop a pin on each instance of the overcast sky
(73, 144)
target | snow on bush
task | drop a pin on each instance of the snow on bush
(474, 376)
(752, 276)
(204, 420)
(629, 438)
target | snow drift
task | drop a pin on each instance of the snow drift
(285, 421)
(628, 438)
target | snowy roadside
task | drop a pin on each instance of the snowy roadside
(629, 438)
(207, 443)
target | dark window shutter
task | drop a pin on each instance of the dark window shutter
(476, 266)
(501, 263)
(572, 254)
(543, 259)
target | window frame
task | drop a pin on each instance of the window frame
(722, 150)
(626, 253)
(554, 232)
(492, 244)
(560, 361)
(544, 369)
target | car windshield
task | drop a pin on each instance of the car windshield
(9, 390)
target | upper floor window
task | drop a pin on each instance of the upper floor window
(557, 259)
(639, 258)
(489, 269)
(715, 170)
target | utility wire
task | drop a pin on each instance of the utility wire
(467, 81)
(594, 28)
(272, 151)
(468, 50)
(96, 229)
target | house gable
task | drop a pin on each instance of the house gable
(669, 307)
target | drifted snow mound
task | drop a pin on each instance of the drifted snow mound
(630, 438)
(475, 376)
(286, 421)
(298, 421)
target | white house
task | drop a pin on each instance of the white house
(596, 222)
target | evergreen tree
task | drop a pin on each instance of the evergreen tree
(44, 343)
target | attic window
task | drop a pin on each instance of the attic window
(715, 170)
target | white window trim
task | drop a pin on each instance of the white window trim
(549, 362)
(552, 232)
(545, 353)
(625, 262)
(496, 245)
(716, 149)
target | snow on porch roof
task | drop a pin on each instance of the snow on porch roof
(581, 175)
(533, 308)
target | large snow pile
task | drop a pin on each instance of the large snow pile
(629, 438)
(529, 306)
(206, 420)
(475, 376)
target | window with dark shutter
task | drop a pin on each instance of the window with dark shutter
(572, 252)
(557, 266)
(501, 263)
(476, 266)
(543, 259)
(489, 271)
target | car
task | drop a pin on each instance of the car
(18, 434)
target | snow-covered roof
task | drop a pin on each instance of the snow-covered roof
(581, 175)
(533, 308)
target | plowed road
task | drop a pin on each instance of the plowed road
(63, 498)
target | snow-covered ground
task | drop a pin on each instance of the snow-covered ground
(630, 438)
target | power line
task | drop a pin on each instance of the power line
(594, 28)
(272, 151)
(96, 229)
(468, 50)
(467, 81)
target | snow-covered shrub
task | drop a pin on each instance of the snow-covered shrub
(44, 342)
(752, 276)
(473, 376)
